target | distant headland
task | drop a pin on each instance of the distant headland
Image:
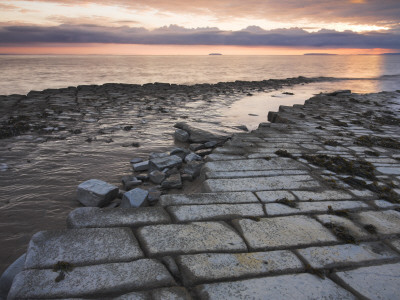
(215, 54)
(319, 54)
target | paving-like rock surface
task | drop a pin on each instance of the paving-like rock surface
(306, 207)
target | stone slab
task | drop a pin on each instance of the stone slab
(283, 232)
(208, 198)
(345, 255)
(322, 196)
(91, 281)
(272, 196)
(386, 222)
(165, 162)
(133, 296)
(200, 268)
(288, 287)
(189, 238)
(355, 230)
(240, 174)
(172, 293)
(276, 209)
(396, 244)
(375, 282)
(260, 183)
(189, 213)
(93, 217)
(215, 157)
(277, 163)
(82, 247)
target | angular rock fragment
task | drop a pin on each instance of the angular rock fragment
(95, 192)
(134, 198)
(165, 162)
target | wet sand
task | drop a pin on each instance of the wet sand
(55, 139)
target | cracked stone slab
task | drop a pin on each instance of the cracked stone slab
(386, 222)
(271, 196)
(321, 196)
(289, 287)
(348, 254)
(82, 247)
(189, 238)
(92, 217)
(240, 174)
(173, 293)
(188, 213)
(278, 163)
(280, 232)
(276, 209)
(207, 267)
(355, 230)
(376, 282)
(90, 281)
(288, 182)
(208, 198)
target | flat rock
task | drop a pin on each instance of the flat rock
(95, 192)
(276, 209)
(277, 163)
(172, 293)
(348, 254)
(141, 166)
(208, 198)
(91, 281)
(165, 162)
(134, 198)
(283, 232)
(82, 247)
(386, 222)
(93, 217)
(293, 287)
(376, 282)
(188, 213)
(190, 238)
(322, 196)
(272, 196)
(260, 183)
(355, 230)
(207, 267)
(240, 174)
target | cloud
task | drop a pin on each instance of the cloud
(378, 12)
(177, 35)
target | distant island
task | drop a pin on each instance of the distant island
(319, 54)
(215, 54)
(397, 53)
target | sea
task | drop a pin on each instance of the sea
(38, 180)
(23, 73)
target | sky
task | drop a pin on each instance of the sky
(187, 27)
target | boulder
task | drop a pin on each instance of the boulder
(195, 147)
(130, 182)
(193, 168)
(181, 135)
(141, 166)
(200, 135)
(192, 157)
(154, 155)
(95, 192)
(156, 176)
(210, 144)
(134, 198)
(172, 182)
(181, 152)
(165, 162)
(136, 160)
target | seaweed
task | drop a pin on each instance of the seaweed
(311, 270)
(371, 153)
(341, 232)
(340, 212)
(337, 122)
(331, 143)
(284, 153)
(62, 267)
(369, 141)
(287, 202)
(14, 126)
(370, 228)
(339, 164)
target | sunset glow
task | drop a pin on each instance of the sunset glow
(196, 27)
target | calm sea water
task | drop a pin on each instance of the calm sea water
(20, 74)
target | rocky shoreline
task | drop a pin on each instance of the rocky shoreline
(54, 139)
(307, 205)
